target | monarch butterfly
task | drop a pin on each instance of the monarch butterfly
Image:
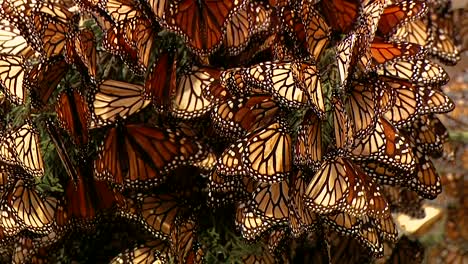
(386, 227)
(7, 153)
(73, 115)
(271, 201)
(444, 47)
(130, 33)
(336, 186)
(113, 100)
(159, 213)
(407, 102)
(25, 249)
(235, 117)
(13, 43)
(19, 16)
(122, 11)
(260, 47)
(276, 239)
(53, 24)
(139, 156)
(249, 20)
(368, 100)
(381, 52)
(188, 101)
(20, 6)
(63, 221)
(354, 191)
(362, 230)
(308, 147)
(369, 16)
(233, 80)
(267, 153)
(10, 223)
(316, 29)
(265, 258)
(60, 11)
(419, 72)
(407, 251)
(184, 244)
(347, 50)
(201, 24)
(160, 87)
(217, 198)
(309, 77)
(6, 178)
(231, 83)
(12, 77)
(114, 41)
(221, 184)
(425, 180)
(35, 211)
(4, 240)
(207, 164)
(284, 51)
(141, 34)
(412, 101)
(382, 168)
(369, 237)
(72, 170)
(417, 32)
(342, 223)
(291, 34)
(85, 48)
(43, 79)
(403, 200)
(226, 189)
(86, 199)
(230, 161)
(149, 252)
(434, 101)
(341, 14)
(250, 224)
(429, 134)
(23, 144)
(377, 204)
(399, 14)
(385, 145)
(341, 124)
(282, 81)
(301, 219)
(35, 249)
(216, 92)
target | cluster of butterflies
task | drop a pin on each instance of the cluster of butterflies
(309, 117)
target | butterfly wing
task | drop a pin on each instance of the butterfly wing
(73, 115)
(12, 74)
(188, 101)
(268, 153)
(115, 100)
(35, 211)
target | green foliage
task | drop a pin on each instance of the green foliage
(224, 246)
(16, 116)
(50, 182)
(461, 136)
